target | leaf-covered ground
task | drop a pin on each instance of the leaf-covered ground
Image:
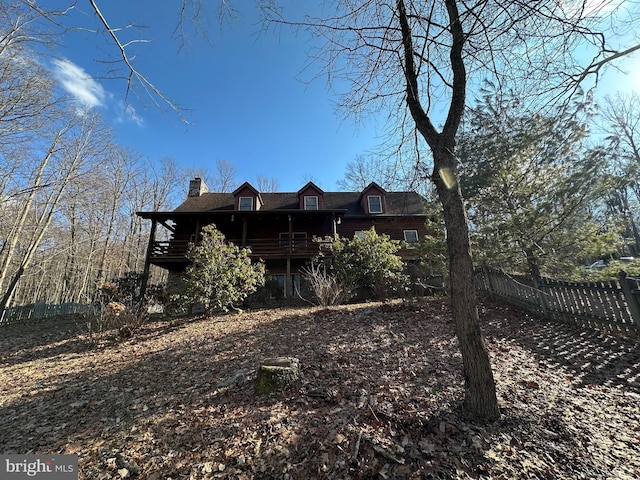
(379, 398)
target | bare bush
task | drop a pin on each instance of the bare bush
(326, 287)
(120, 312)
(116, 319)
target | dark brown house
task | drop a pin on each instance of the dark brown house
(279, 227)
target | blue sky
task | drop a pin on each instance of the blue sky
(243, 95)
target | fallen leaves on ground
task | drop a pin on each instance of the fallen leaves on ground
(380, 397)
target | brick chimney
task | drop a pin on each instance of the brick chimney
(197, 187)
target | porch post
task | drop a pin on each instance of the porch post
(287, 280)
(147, 262)
(244, 231)
(290, 235)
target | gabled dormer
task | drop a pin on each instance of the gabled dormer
(310, 197)
(247, 198)
(372, 199)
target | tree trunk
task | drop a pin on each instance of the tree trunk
(11, 287)
(480, 392)
(16, 234)
(532, 262)
(480, 398)
(636, 237)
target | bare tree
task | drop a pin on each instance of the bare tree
(118, 173)
(25, 22)
(267, 184)
(69, 151)
(424, 55)
(221, 180)
(359, 173)
(155, 188)
(621, 115)
(480, 395)
(224, 180)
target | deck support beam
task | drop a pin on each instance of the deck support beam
(147, 258)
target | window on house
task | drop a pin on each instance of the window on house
(293, 287)
(375, 203)
(311, 203)
(245, 203)
(411, 236)
(299, 239)
(358, 234)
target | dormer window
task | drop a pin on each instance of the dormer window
(311, 202)
(375, 203)
(247, 198)
(245, 203)
(310, 197)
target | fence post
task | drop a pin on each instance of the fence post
(632, 295)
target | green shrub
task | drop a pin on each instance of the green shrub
(221, 275)
(366, 265)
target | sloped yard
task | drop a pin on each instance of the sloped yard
(379, 398)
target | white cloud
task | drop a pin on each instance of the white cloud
(128, 113)
(79, 83)
(88, 93)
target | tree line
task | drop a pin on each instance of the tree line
(546, 193)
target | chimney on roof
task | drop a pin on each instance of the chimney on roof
(197, 187)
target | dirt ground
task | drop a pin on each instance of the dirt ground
(379, 398)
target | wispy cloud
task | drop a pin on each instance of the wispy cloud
(79, 83)
(88, 93)
(127, 113)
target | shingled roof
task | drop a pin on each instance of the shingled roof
(397, 203)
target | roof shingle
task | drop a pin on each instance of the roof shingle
(397, 203)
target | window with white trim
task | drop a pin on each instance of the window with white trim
(375, 203)
(245, 203)
(299, 239)
(410, 236)
(311, 202)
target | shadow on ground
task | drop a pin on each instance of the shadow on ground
(592, 356)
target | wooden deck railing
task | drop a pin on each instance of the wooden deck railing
(175, 250)
(169, 250)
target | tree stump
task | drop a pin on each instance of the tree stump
(276, 374)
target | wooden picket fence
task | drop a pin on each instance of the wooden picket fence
(38, 311)
(613, 306)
